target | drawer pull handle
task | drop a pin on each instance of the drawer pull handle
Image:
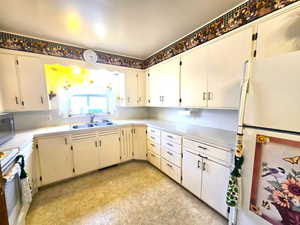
(152, 137)
(152, 145)
(203, 166)
(153, 155)
(169, 136)
(170, 153)
(202, 147)
(169, 165)
(198, 165)
(153, 131)
(170, 144)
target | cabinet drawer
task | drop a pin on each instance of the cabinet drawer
(154, 138)
(154, 159)
(171, 146)
(171, 137)
(219, 155)
(153, 147)
(171, 170)
(194, 146)
(153, 131)
(171, 156)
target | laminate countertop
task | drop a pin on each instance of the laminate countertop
(216, 137)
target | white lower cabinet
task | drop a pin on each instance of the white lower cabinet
(171, 170)
(139, 142)
(109, 149)
(126, 144)
(56, 160)
(214, 185)
(154, 159)
(85, 152)
(192, 172)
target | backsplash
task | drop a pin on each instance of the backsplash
(215, 118)
(237, 17)
(32, 120)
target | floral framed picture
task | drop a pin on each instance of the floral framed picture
(275, 192)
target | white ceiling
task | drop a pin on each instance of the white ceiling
(136, 28)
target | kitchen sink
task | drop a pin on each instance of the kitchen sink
(102, 123)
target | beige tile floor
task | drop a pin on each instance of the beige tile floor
(133, 193)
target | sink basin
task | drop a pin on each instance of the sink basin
(96, 124)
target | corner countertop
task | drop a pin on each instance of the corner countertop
(213, 136)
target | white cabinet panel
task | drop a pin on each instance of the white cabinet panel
(215, 179)
(194, 78)
(131, 88)
(141, 87)
(154, 159)
(153, 147)
(171, 156)
(155, 85)
(171, 170)
(9, 83)
(139, 142)
(170, 80)
(192, 172)
(225, 66)
(279, 35)
(56, 161)
(109, 149)
(85, 155)
(32, 83)
(126, 144)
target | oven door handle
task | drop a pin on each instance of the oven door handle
(10, 175)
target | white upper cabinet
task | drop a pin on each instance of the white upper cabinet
(141, 87)
(279, 35)
(32, 83)
(194, 78)
(135, 88)
(154, 86)
(225, 64)
(9, 83)
(23, 84)
(164, 83)
(131, 88)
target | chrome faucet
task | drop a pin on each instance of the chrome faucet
(92, 118)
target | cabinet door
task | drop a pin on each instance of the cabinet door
(131, 88)
(225, 67)
(278, 35)
(141, 101)
(9, 83)
(170, 82)
(192, 172)
(214, 185)
(55, 159)
(109, 149)
(193, 78)
(139, 142)
(32, 83)
(126, 144)
(85, 155)
(154, 85)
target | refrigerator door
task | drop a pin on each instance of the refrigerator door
(274, 93)
(267, 160)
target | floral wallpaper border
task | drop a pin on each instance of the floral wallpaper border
(239, 16)
(21, 43)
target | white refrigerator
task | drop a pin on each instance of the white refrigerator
(270, 123)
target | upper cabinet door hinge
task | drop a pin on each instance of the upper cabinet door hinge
(119, 139)
(254, 37)
(148, 74)
(37, 146)
(180, 100)
(71, 147)
(254, 53)
(17, 62)
(180, 63)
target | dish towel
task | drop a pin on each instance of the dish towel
(25, 185)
